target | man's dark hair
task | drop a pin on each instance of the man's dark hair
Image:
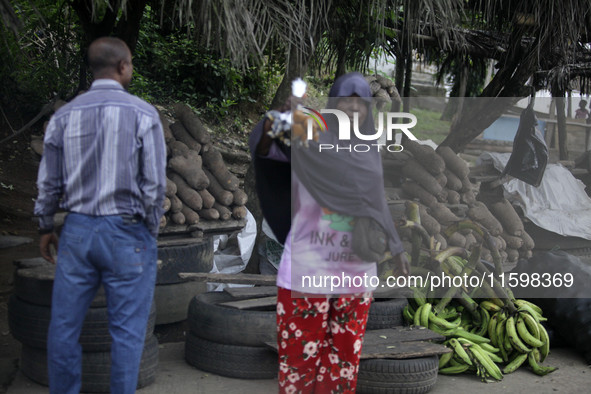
(106, 53)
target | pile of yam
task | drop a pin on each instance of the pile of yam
(199, 185)
(438, 179)
(383, 90)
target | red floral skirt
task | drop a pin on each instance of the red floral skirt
(320, 342)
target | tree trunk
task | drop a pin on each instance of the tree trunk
(128, 28)
(561, 123)
(341, 69)
(296, 67)
(508, 85)
(407, 83)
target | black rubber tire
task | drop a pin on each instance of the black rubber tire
(172, 301)
(228, 325)
(96, 367)
(35, 285)
(194, 257)
(409, 376)
(386, 313)
(241, 362)
(29, 324)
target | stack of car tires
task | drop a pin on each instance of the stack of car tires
(29, 314)
(172, 295)
(230, 342)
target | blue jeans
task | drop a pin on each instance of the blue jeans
(121, 254)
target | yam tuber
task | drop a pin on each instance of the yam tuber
(426, 156)
(470, 241)
(466, 185)
(525, 254)
(417, 191)
(170, 188)
(413, 169)
(191, 217)
(220, 194)
(441, 179)
(208, 199)
(506, 214)
(240, 197)
(442, 196)
(528, 242)
(190, 169)
(453, 197)
(480, 213)
(177, 218)
(504, 255)
(453, 182)
(176, 204)
(213, 161)
(404, 233)
(512, 241)
(512, 255)
(163, 222)
(177, 148)
(192, 123)
(439, 238)
(209, 214)
(453, 162)
(238, 212)
(206, 147)
(224, 212)
(443, 214)
(166, 204)
(457, 239)
(500, 243)
(427, 221)
(181, 134)
(186, 194)
(168, 137)
(468, 198)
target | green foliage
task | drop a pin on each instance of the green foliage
(430, 125)
(45, 59)
(177, 68)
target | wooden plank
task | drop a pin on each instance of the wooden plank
(390, 336)
(172, 228)
(251, 303)
(403, 350)
(251, 292)
(399, 350)
(244, 279)
(208, 226)
(484, 178)
(161, 243)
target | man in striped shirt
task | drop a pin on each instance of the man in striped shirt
(104, 161)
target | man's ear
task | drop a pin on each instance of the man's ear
(121, 67)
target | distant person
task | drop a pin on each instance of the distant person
(104, 157)
(582, 112)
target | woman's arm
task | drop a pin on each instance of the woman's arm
(264, 145)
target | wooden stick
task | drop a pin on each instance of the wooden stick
(244, 279)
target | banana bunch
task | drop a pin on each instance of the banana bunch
(519, 337)
(478, 346)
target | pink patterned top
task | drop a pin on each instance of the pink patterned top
(317, 257)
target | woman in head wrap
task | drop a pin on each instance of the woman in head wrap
(311, 199)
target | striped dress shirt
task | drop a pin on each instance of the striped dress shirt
(103, 154)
